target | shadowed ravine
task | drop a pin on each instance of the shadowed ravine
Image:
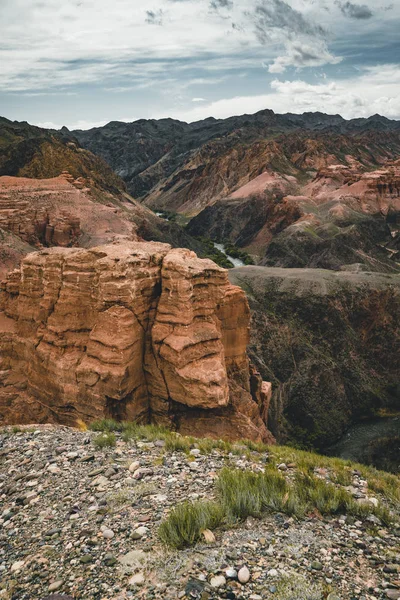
(356, 443)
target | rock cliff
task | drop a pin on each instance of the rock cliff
(134, 331)
(329, 342)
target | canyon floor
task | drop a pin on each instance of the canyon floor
(80, 519)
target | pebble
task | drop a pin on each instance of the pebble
(218, 581)
(17, 566)
(55, 585)
(244, 575)
(108, 534)
(231, 573)
(137, 579)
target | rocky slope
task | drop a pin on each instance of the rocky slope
(82, 522)
(33, 152)
(295, 191)
(179, 166)
(133, 330)
(39, 157)
(343, 217)
(328, 341)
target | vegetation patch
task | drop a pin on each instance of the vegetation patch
(242, 494)
(105, 440)
(187, 521)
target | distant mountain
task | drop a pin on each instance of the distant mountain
(185, 167)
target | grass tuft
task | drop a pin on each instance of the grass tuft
(105, 440)
(105, 425)
(185, 523)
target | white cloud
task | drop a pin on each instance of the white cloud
(376, 90)
(311, 53)
(48, 44)
(199, 100)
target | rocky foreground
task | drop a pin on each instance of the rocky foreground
(81, 521)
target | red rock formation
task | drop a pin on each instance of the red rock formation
(135, 331)
(57, 212)
(372, 192)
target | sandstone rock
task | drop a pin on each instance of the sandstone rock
(130, 331)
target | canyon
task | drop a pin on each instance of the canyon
(105, 314)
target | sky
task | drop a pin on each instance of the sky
(83, 63)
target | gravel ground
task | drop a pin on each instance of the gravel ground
(81, 522)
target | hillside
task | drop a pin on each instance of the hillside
(329, 343)
(48, 180)
(308, 190)
(185, 167)
(139, 512)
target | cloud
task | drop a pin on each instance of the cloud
(303, 40)
(154, 17)
(273, 15)
(302, 55)
(355, 11)
(198, 100)
(375, 90)
(217, 4)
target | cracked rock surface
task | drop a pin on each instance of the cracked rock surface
(135, 331)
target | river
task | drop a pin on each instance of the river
(235, 261)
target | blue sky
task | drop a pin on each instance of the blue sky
(82, 63)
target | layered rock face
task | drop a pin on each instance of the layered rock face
(132, 331)
(59, 212)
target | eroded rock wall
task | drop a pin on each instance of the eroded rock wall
(134, 331)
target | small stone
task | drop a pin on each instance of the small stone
(273, 573)
(218, 581)
(195, 452)
(109, 560)
(316, 565)
(244, 575)
(137, 579)
(393, 594)
(17, 566)
(86, 559)
(55, 585)
(134, 466)
(231, 573)
(333, 596)
(53, 469)
(282, 467)
(139, 533)
(108, 534)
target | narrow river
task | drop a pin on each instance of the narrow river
(235, 261)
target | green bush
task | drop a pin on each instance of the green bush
(184, 525)
(105, 440)
(105, 425)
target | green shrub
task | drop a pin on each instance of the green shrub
(105, 425)
(185, 523)
(105, 440)
(244, 494)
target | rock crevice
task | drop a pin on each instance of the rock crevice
(137, 331)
